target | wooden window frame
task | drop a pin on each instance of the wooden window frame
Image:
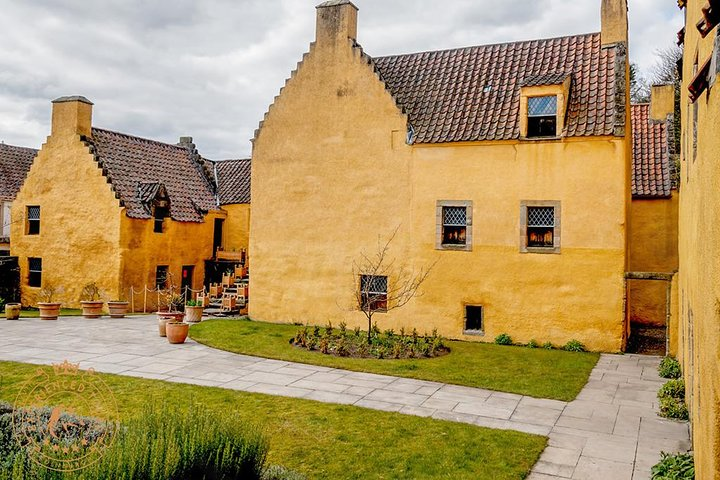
(37, 273)
(32, 225)
(376, 298)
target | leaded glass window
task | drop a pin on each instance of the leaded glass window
(540, 226)
(33, 220)
(373, 292)
(542, 116)
(454, 225)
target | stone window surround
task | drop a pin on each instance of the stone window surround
(524, 204)
(468, 204)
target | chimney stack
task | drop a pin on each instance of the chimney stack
(336, 22)
(72, 116)
(614, 22)
(662, 102)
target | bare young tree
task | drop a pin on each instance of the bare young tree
(381, 285)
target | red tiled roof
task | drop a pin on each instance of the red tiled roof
(233, 181)
(135, 166)
(15, 163)
(651, 175)
(472, 94)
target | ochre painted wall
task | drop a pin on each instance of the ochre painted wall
(699, 244)
(330, 187)
(237, 227)
(653, 248)
(79, 223)
(142, 250)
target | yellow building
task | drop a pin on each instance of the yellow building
(699, 241)
(14, 165)
(114, 209)
(506, 166)
(653, 254)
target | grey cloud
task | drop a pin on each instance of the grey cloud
(162, 68)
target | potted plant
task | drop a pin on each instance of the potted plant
(90, 301)
(12, 310)
(177, 332)
(118, 308)
(172, 300)
(194, 311)
(49, 310)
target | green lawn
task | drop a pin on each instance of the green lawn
(64, 312)
(336, 441)
(539, 373)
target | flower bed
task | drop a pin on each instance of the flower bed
(342, 342)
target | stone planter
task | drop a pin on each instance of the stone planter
(118, 309)
(193, 314)
(12, 311)
(92, 309)
(177, 332)
(49, 311)
(165, 317)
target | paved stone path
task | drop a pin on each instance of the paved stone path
(610, 431)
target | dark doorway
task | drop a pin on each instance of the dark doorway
(187, 281)
(218, 235)
(9, 279)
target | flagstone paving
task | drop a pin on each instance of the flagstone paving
(611, 431)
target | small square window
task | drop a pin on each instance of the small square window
(454, 226)
(33, 220)
(34, 272)
(161, 277)
(373, 292)
(542, 116)
(474, 319)
(541, 227)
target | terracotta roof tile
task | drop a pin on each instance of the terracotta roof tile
(233, 180)
(473, 93)
(15, 163)
(651, 175)
(137, 167)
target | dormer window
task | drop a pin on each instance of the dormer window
(159, 215)
(542, 116)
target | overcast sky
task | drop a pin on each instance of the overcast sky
(210, 68)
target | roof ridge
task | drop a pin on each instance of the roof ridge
(489, 45)
(135, 137)
(3, 144)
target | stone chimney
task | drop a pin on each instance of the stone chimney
(614, 22)
(662, 102)
(186, 142)
(72, 116)
(336, 22)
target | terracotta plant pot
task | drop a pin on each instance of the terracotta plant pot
(165, 317)
(177, 332)
(12, 311)
(193, 314)
(92, 309)
(48, 311)
(118, 309)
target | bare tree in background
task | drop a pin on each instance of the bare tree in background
(384, 285)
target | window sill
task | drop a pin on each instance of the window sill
(456, 248)
(541, 139)
(474, 333)
(541, 250)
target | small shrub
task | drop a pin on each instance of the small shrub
(671, 467)
(669, 368)
(672, 400)
(574, 346)
(548, 346)
(503, 339)
(193, 303)
(672, 389)
(532, 343)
